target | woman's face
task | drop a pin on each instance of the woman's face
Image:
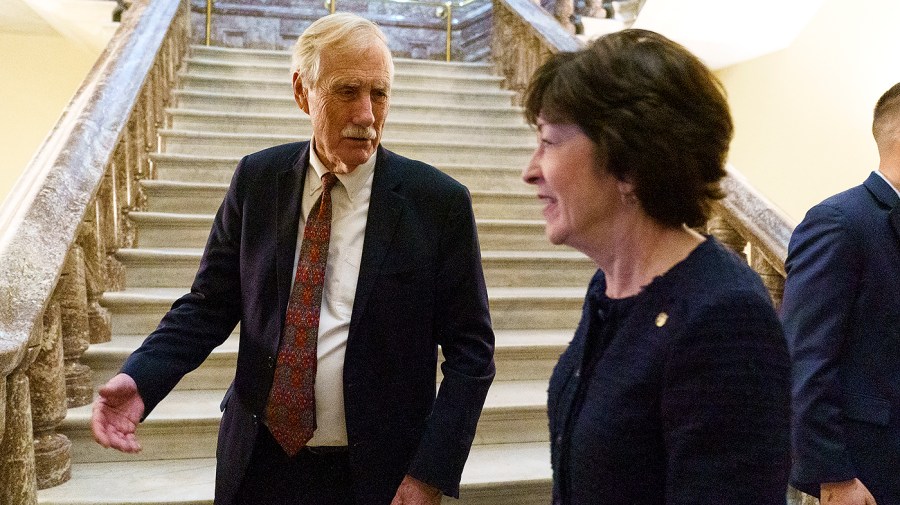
(581, 200)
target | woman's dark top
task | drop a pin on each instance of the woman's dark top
(679, 394)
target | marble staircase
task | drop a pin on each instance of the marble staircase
(232, 102)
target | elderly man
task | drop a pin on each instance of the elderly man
(842, 320)
(341, 312)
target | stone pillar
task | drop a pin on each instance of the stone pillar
(52, 451)
(72, 295)
(772, 279)
(17, 472)
(719, 228)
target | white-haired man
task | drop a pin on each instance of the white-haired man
(333, 400)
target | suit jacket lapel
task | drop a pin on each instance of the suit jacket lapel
(289, 193)
(385, 209)
(895, 221)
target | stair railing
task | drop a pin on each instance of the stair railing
(59, 230)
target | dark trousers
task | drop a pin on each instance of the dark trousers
(309, 478)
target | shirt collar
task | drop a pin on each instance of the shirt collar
(354, 182)
(888, 182)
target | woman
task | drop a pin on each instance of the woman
(675, 388)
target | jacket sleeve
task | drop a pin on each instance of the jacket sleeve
(823, 273)
(463, 330)
(201, 319)
(725, 406)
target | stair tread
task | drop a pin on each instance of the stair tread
(491, 84)
(189, 186)
(165, 294)
(195, 252)
(233, 161)
(203, 404)
(396, 102)
(190, 481)
(298, 116)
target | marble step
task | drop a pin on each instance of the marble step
(403, 75)
(490, 95)
(219, 169)
(401, 107)
(501, 152)
(282, 58)
(186, 423)
(520, 355)
(175, 267)
(138, 311)
(159, 229)
(499, 474)
(297, 123)
(205, 198)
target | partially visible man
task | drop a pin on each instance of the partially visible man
(842, 320)
(341, 313)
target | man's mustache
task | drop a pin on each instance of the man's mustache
(359, 132)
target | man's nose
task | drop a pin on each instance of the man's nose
(364, 111)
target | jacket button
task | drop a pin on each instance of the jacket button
(559, 439)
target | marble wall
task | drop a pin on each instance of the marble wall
(414, 30)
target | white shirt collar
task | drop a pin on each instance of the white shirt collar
(353, 182)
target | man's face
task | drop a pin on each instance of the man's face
(348, 105)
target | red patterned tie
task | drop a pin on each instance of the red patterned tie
(291, 411)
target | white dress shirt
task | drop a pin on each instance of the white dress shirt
(349, 212)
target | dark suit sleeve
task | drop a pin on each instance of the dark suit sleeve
(820, 289)
(200, 320)
(725, 406)
(463, 330)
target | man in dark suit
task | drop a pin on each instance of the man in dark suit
(842, 320)
(403, 276)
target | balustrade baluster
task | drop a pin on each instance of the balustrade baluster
(52, 451)
(17, 471)
(75, 327)
(95, 280)
(772, 278)
(719, 228)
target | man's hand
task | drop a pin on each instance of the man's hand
(116, 413)
(848, 492)
(415, 492)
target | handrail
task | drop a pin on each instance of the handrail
(525, 35)
(59, 228)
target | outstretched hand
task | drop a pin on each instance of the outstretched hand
(415, 492)
(848, 492)
(116, 414)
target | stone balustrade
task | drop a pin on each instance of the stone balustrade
(61, 226)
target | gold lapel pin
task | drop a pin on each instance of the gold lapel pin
(661, 319)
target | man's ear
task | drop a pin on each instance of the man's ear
(301, 93)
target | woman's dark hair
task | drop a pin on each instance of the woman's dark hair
(658, 116)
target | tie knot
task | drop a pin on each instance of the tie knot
(328, 181)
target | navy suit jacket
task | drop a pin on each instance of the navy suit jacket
(842, 320)
(686, 400)
(420, 285)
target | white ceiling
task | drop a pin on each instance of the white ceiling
(16, 17)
